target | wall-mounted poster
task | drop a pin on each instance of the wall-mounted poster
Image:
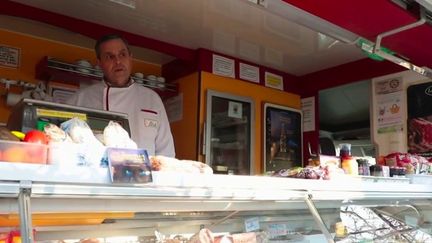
(283, 138)
(389, 99)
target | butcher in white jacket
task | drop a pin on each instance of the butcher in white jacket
(118, 92)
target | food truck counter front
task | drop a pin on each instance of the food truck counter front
(181, 204)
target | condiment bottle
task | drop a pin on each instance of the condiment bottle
(344, 150)
(340, 231)
(349, 165)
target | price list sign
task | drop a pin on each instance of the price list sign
(9, 56)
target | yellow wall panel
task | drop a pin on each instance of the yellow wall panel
(33, 49)
(185, 131)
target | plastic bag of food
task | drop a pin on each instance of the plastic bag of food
(78, 130)
(56, 134)
(91, 151)
(116, 136)
(166, 164)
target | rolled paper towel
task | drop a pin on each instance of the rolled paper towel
(12, 99)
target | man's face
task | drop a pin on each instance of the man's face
(115, 62)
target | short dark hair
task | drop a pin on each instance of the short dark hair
(106, 38)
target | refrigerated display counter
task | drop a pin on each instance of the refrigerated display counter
(276, 209)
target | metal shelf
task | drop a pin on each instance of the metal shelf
(53, 69)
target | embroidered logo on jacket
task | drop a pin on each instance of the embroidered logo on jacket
(150, 123)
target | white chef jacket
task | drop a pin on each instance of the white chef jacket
(148, 121)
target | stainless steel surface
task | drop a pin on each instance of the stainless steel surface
(25, 212)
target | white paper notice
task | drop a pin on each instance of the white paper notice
(276, 230)
(252, 224)
(388, 86)
(235, 109)
(273, 80)
(249, 72)
(10, 56)
(308, 109)
(223, 66)
(174, 108)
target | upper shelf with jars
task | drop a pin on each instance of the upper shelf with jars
(82, 71)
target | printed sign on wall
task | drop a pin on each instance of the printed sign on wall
(273, 80)
(388, 86)
(308, 109)
(249, 72)
(223, 66)
(389, 102)
(10, 56)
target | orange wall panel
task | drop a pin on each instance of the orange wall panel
(185, 131)
(33, 49)
(258, 93)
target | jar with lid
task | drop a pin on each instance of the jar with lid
(363, 167)
(397, 171)
(344, 150)
(393, 171)
(376, 170)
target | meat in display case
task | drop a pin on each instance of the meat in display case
(229, 136)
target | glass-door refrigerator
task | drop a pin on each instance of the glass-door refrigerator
(229, 135)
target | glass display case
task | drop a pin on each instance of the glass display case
(229, 135)
(272, 209)
(384, 220)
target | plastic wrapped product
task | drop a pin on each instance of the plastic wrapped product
(56, 134)
(91, 151)
(78, 130)
(116, 136)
